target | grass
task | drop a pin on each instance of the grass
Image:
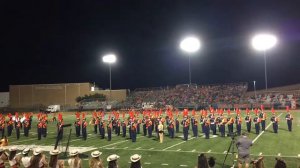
(175, 152)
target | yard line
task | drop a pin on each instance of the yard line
(178, 150)
(126, 147)
(225, 152)
(176, 144)
(138, 148)
(183, 165)
(208, 151)
(113, 144)
(194, 150)
(260, 153)
(151, 148)
(264, 131)
(147, 163)
(164, 164)
(279, 154)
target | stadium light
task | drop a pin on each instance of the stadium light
(109, 59)
(190, 45)
(264, 42)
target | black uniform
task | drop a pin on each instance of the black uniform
(289, 120)
(248, 122)
(84, 133)
(274, 120)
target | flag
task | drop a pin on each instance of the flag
(287, 108)
(273, 111)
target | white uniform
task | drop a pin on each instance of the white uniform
(26, 161)
(71, 163)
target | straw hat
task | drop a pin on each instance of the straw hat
(13, 148)
(54, 152)
(37, 151)
(74, 152)
(112, 157)
(96, 154)
(135, 158)
(25, 151)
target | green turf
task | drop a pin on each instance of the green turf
(175, 152)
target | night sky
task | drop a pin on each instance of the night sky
(63, 41)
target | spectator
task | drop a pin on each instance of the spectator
(135, 161)
(54, 162)
(14, 159)
(243, 144)
(280, 163)
(38, 160)
(3, 157)
(26, 158)
(74, 161)
(95, 161)
(259, 163)
(112, 161)
(211, 162)
(202, 161)
(4, 141)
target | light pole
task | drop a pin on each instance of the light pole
(264, 42)
(109, 59)
(190, 45)
(254, 89)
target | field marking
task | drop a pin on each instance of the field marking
(147, 163)
(126, 147)
(17, 141)
(178, 150)
(279, 154)
(139, 148)
(183, 165)
(208, 151)
(113, 144)
(164, 164)
(260, 154)
(264, 131)
(177, 144)
(151, 148)
(224, 152)
(298, 155)
(194, 150)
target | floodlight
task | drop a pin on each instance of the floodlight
(109, 58)
(263, 42)
(190, 44)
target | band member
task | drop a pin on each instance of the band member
(230, 121)
(10, 127)
(185, 124)
(44, 128)
(2, 127)
(138, 126)
(77, 125)
(195, 128)
(289, 120)
(213, 124)
(149, 128)
(84, 125)
(248, 121)
(177, 125)
(144, 126)
(171, 128)
(39, 129)
(109, 131)
(161, 132)
(60, 129)
(206, 127)
(238, 123)
(263, 117)
(256, 121)
(275, 121)
(202, 123)
(222, 126)
(133, 132)
(26, 127)
(18, 127)
(118, 127)
(124, 129)
(102, 130)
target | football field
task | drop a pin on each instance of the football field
(175, 152)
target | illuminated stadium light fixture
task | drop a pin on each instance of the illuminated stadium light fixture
(109, 59)
(190, 45)
(264, 42)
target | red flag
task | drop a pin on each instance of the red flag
(77, 115)
(228, 112)
(287, 108)
(273, 111)
(262, 107)
(60, 117)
